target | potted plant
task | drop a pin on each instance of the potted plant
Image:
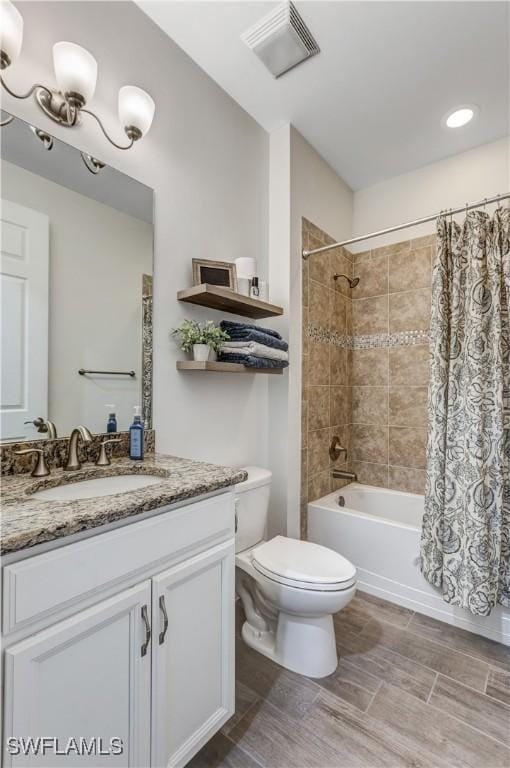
(201, 339)
(214, 337)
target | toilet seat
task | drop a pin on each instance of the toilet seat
(303, 565)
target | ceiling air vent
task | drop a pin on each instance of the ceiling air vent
(281, 39)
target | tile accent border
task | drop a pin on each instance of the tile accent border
(326, 336)
(400, 339)
(367, 341)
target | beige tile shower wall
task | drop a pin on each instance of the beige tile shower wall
(326, 405)
(389, 384)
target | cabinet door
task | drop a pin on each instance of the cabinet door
(193, 657)
(84, 678)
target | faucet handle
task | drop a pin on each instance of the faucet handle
(41, 468)
(103, 460)
(336, 449)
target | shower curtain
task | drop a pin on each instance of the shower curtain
(465, 544)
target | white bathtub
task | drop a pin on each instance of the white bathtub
(379, 531)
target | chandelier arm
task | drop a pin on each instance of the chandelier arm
(26, 95)
(72, 114)
(6, 121)
(119, 146)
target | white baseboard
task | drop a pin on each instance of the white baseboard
(495, 627)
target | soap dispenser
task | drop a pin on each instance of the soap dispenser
(136, 436)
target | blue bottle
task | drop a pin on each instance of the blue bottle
(111, 424)
(136, 436)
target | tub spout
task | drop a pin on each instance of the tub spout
(340, 474)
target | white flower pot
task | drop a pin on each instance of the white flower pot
(200, 352)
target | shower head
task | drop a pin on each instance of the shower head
(353, 281)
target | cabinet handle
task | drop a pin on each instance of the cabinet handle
(162, 608)
(145, 620)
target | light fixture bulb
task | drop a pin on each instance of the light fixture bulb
(136, 109)
(460, 117)
(11, 33)
(75, 70)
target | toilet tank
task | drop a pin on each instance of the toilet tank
(252, 503)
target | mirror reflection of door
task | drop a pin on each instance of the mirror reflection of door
(24, 318)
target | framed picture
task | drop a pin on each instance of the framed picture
(221, 273)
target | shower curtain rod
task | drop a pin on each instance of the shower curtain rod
(450, 211)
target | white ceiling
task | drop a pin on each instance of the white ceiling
(372, 101)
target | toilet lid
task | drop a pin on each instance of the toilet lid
(303, 564)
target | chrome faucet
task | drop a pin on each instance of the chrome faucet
(73, 461)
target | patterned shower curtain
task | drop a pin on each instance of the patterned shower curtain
(465, 544)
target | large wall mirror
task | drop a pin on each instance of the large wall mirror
(76, 289)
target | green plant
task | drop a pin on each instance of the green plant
(213, 335)
(191, 332)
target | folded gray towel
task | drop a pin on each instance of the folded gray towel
(228, 325)
(242, 332)
(254, 349)
(252, 362)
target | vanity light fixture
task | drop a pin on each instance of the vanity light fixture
(76, 75)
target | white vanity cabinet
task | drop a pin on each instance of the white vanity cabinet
(137, 648)
(193, 658)
(84, 677)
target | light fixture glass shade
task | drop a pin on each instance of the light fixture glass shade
(11, 30)
(75, 69)
(136, 108)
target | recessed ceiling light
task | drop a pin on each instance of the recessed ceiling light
(460, 116)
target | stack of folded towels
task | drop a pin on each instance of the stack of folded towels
(253, 346)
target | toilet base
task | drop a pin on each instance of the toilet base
(304, 645)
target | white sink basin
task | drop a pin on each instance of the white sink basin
(99, 486)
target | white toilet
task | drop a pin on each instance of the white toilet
(289, 589)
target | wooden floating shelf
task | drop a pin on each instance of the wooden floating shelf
(219, 367)
(215, 297)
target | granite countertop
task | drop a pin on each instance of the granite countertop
(27, 521)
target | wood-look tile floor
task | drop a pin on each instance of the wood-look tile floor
(409, 691)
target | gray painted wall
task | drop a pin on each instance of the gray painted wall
(207, 161)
